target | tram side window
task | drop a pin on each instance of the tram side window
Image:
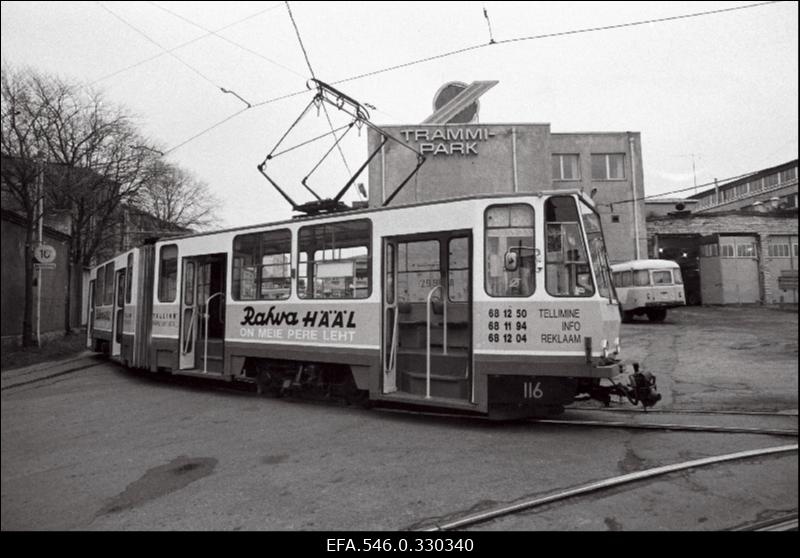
(334, 260)
(678, 278)
(168, 273)
(129, 282)
(262, 265)
(567, 271)
(108, 296)
(510, 252)
(101, 286)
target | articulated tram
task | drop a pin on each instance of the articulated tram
(499, 305)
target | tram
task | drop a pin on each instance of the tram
(499, 305)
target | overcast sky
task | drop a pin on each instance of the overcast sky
(723, 86)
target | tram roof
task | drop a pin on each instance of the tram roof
(365, 212)
(644, 264)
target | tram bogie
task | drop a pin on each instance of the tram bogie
(498, 305)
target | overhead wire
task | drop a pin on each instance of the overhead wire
(182, 45)
(159, 45)
(507, 41)
(310, 69)
(226, 39)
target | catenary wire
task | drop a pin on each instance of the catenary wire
(226, 39)
(180, 46)
(483, 45)
(310, 69)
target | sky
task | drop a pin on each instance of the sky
(713, 96)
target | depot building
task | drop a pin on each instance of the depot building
(464, 157)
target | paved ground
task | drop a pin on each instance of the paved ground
(104, 448)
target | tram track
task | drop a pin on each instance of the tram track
(51, 376)
(485, 516)
(670, 427)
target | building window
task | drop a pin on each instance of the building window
(168, 273)
(567, 271)
(788, 174)
(608, 166)
(615, 218)
(726, 250)
(755, 185)
(565, 167)
(709, 250)
(262, 265)
(770, 181)
(509, 237)
(779, 249)
(747, 250)
(334, 260)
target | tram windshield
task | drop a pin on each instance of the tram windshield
(567, 270)
(597, 249)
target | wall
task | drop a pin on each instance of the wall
(760, 225)
(614, 197)
(54, 281)
(512, 158)
(504, 158)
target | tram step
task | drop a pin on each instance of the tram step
(453, 364)
(213, 364)
(441, 386)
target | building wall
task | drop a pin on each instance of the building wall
(54, 282)
(614, 198)
(513, 158)
(762, 227)
(772, 187)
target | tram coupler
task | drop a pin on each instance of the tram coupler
(641, 388)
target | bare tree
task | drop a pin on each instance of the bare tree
(175, 196)
(93, 165)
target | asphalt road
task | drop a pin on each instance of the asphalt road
(104, 448)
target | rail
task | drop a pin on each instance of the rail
(428, 327)
(487, 515)
(205, 317)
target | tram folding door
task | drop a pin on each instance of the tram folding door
(189, 315)
(427, 308)
(119, 313)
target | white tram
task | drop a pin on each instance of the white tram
(648, 287)
(500, 305)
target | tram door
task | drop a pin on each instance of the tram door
(119, 313)
(427, 287)
(203, 313)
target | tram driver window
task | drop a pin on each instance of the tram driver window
(334, 260)
(567, 270)
(168, 273)
(510, 252)
(262, 265)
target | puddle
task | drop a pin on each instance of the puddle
(159, 481)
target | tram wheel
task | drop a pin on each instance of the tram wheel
(657, 314)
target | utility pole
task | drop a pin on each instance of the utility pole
(40, 195)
